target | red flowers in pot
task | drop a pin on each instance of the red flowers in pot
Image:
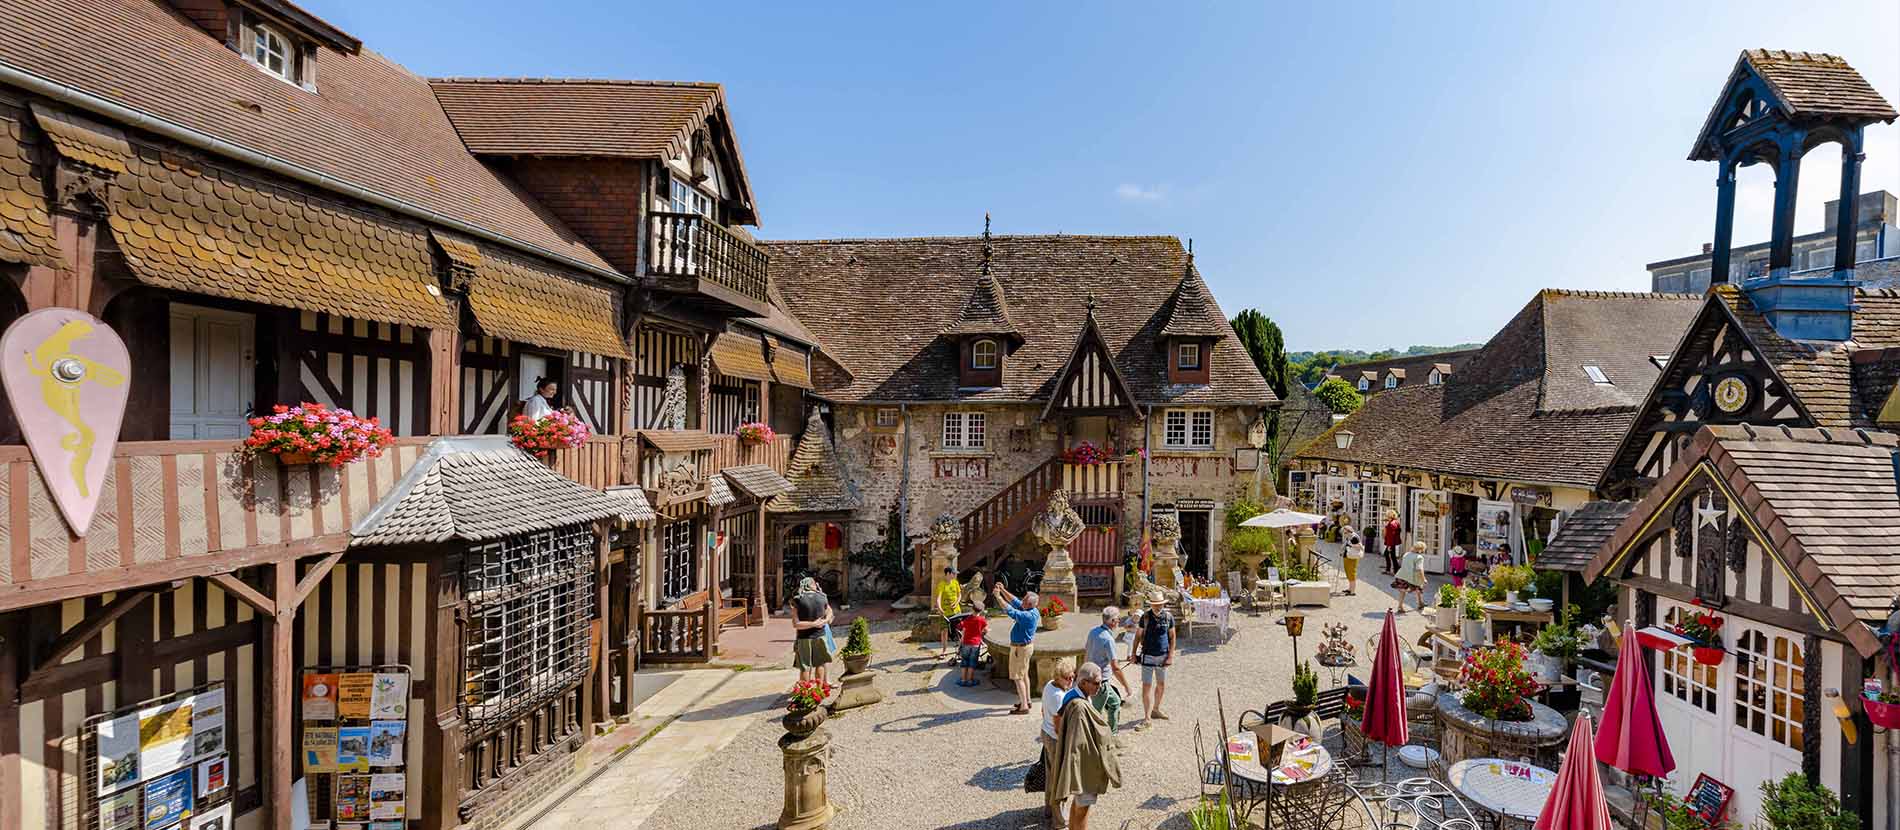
(553, 431)
(1706, 630)
(313, 433)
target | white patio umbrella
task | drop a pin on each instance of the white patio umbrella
(1283, 518)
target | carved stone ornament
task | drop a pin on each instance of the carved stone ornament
(1058, 524)
(681, 479)
(944, 530)
(1166, 528)
(673, 403)
(82, 189)
(1683, 523)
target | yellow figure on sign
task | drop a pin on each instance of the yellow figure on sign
(61, 374)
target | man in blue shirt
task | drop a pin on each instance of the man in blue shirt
(1025, 618)
(1099, 649)
(1154, 649)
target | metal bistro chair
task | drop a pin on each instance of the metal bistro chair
(1275, 588)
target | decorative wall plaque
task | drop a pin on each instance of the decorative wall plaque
(65, 374)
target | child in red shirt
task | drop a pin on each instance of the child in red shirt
(970, 646)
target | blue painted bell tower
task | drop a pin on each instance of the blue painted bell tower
(1775, 108)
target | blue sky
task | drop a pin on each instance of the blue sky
(1367, 175)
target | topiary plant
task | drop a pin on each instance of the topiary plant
(1796, 803)
(860, 640)
(1305, 686)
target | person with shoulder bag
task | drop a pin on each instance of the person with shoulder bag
(1355, 551)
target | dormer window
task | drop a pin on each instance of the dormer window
(273, 53)
(983, 354)
(1189, 357)
(1391, 381)
(1365, 384)
(1435, 378)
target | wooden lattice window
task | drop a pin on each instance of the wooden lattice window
(1689, 681)
(677, 562)
(530, 598)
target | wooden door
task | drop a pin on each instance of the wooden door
(213, 366)
(1194, 539)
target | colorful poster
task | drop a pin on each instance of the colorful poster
(1494, 527)
(164, 739)
(389, 697)
(120, 810)
(207, 724)
(319, 697)
(353, 694)
(352, 797)
(385, 742)
(119, 754)
(319, 749)
(352, 749)
(213, 776)
(216, 818)
(386, 796)
(167, 799)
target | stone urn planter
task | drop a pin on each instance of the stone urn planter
(1468, 734)
(1304, 722)
(800, 723)
(855, 663)
(1249, 567)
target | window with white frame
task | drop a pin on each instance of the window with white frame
(1188, 429)
(1365, 384)
(272, 52)
(1596, 375)
(887, 417)
(983, 354)
(1435, 378)
(689, 199)
(1391, 381)
(1769, 687)
(1189, 357)
(1683, 677)
(963, 430)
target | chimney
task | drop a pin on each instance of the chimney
(1708, 247)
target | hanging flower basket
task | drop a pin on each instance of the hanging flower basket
(1087, 454)
(1708, 655)
(542, 436)
(754, 432)
(312, 433)
(1882, 714)
(1706, 630)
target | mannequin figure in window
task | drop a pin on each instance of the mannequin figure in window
(541, 404)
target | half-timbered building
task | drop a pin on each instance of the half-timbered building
(972, 377)
(266, 212)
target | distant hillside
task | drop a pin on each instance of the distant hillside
(1311, 366)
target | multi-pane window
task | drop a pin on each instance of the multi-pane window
(1769, 687)
(887, 418)
(271, 51)
(1190, 356)
(530, 600)
(751, 401)
(1683, 677)
(963, 430)
(1435, 378)
(1188, 429)
(1365, 384)
(689, 199)
(677, 561)
(1391, 381)
(983, 354)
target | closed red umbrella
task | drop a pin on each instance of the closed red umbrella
(1576, 802)
(1632, 736)
(1384, 720)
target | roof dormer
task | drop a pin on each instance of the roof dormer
(983, 331)
(276, 36)
(1190, 329)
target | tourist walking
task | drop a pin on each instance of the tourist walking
(1084, 764)
(1394, 539)
(970, 631)
(949, 602)
(1154, 650)
(811, 614)
(1355, 551)
(1024, 619)
(1411, 576)
(1455, 565)
(1055, 693)
(1099, 650)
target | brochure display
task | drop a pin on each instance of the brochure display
(159, 764)
(353, 734)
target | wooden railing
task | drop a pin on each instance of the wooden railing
(692, 246)
(1093, 479)
(675, 636)
(595, 463)
(993, 523)
(729, 451)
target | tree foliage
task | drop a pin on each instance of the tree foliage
(1264, 343)
(1339, 396)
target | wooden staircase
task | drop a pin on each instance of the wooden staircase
(994, 523)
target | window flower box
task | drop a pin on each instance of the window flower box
(312, 433)
(543, 436)
(754, 432)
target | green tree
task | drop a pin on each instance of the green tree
(1339, 396)
(1264, 343)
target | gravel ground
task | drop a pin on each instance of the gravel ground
(937, 755)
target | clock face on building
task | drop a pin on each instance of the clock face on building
(1732, 393)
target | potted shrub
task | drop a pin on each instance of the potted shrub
(1796, 803)
(1558, 645)
(1299, 716)
(1445, 614)
(857, 647)
(753, 432)
(1495, 684)
(1473, 605)
(543, 436)
(312, 433)
(1706, 630)
(1052, 610)
(1511, 579)
(805, 711)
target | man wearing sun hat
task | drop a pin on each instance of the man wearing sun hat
(1154, 650)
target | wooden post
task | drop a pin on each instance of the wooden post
(70, 283)
(712, 586)
(279, 696)
(758, 567)
(442, 771)
(12, 648)
(603, 694)
(445, 386)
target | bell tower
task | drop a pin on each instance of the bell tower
(1776, 107)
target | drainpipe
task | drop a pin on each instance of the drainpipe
(1147, 428)
(903, 484)
(1893, 738)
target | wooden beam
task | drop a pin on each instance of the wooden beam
(12, 642)
(242, 590)
(89, 628)
(314, 578)
(279, 696)
(43, 591)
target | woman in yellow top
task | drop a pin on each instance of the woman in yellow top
(949, 602)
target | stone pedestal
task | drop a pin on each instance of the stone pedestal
(1057, 526)
(943, 552)
(1165, 530)
(1307, 542)
(856, 690)
(1058, 577)
(807, 806)
(1249, 568)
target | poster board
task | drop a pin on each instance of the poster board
(1709, 798)
(352, 745)
(1431, 514)
(1497, 521)
(159, 764)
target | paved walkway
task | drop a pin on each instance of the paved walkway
(699, 714)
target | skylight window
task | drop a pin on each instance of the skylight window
(1661, 361)
(1596, 375)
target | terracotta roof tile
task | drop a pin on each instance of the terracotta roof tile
(576, 116)
(790, 365)
(819, 481)
(475, 488)
(26, 227)
(740, 356)
(517, 298)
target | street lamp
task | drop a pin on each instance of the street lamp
(1343, 438)
(1295, 622)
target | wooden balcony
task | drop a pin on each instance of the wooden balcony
(1085, 480)
(691, 254)
(729, 451)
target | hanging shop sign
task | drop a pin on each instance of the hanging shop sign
(159, 765)
(1463, 486)
(1533, 496)
(65, 375)
(354, 728)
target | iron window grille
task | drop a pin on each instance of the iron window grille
(530, 599)
(677, 561)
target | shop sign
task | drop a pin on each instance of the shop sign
(1459, 485)
(1194, 504)
(1531, 495)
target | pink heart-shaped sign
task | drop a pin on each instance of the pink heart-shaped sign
(67, 375)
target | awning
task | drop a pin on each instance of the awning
(756, 480)
(740, 356)
(718, 494)
(26, 226)
(522, 301)
(635, 509)
(791, 365)
(686, 440)
(475, 488)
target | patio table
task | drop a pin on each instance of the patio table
(1213, 611)
(1306, 765)
(1510, 789)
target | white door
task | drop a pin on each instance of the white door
(212, 375)
(533, 367)
(1429, 511)
(1689, 702)
(1767, 704)
(1376, 498)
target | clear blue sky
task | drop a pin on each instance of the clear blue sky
(1368, 176)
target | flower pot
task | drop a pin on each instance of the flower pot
(1510, 597)
(1474, 631)
(856, 663)
(1050, 622)
(291, 459)
(1708, 655)
(1304, 722)
(1883, 715)
(802, 722)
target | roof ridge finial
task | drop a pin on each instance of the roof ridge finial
(1091, 303)
(986, 243)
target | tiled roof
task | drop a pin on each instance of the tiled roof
(370, 123)
(882, 303)
(1811, 87)
(1821, 374)
(740, 356)
(475, 488)
(1446, 362)
(575, 116)
(26, 227)
(1581, 534)
(985, 312)
(517, 298)
(718, 492)
(1520, 408)
(634, 507)
(819, 481)
(757, 480)
(1824, 499)
(1191, 311)
(791, 365)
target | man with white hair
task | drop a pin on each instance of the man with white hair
(1083, 764)
(1025, 618)
(1099, 650)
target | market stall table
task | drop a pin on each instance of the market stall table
(1212, 611)
(1510, 789)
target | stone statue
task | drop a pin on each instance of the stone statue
(943, 533)
(1056, 526)
(673, 403)
(1165, 529)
